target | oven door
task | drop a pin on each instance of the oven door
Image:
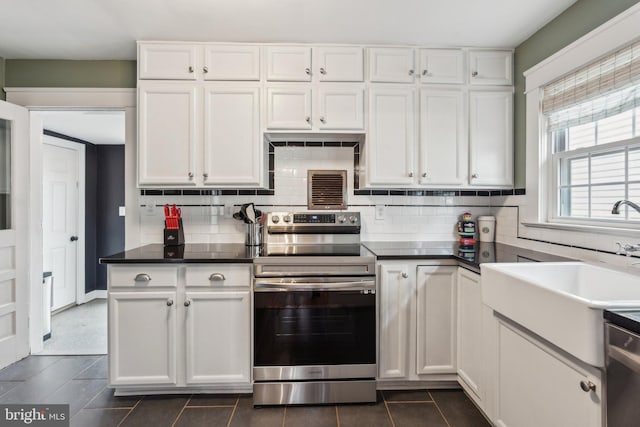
(311, 328)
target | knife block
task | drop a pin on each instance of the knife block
(174, 237)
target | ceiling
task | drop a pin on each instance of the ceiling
(108, 29)
(97, 126)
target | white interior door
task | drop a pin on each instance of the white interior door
(14, 235)
(60, 177)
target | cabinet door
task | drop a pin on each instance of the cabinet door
(491, 137)
(396, 291)
(392, 140)
(491, 67)
(232, 144)
(538, 387)
(443, 137)
(442, 66)
(392, 65)
(167, 61)
(218, 337)
(289, 107)
(339, 64)
(289, 63)
(231, 62)
(340, 108)
(167, 133)
(470, 331)
(436, 320)
(142, 338)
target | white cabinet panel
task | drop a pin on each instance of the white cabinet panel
(339, 64)
(491, 67)
(442, 66)
(288, 63)
(470, 331)
(392, 136)
(396, 292)
(231, 62)
(491, 137)
(142, 338)
(232, 143)
(538, 387)
(217, 276)
(289, 107)
(218, 337)
(143, 277)
(443, 137)
(167, 61)
(436, 320)
(167, 124)
(391, 65)
(340, 108)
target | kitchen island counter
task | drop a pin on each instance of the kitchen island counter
(189, 253)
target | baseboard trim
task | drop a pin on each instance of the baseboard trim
(97, 294)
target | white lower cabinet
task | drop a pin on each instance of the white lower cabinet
(417, 321)
(192, 335)
(539, 386)
(471, 363)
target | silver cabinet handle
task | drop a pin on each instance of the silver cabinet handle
(425, 72)
(475, 175)
(190, 69)
(205, 69)
(411, 72)
(217, 277)
(169, 302)
(410, 174)
(404, 275)
(424, 174)
(308, 120)
(142, 277)
(205, 175)
(187, 302)
(308, 71)
(322, 120)
(323, 71)
(474, 74)
(587, 386)
(190, 175)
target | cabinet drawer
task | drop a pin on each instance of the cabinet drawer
(147, 276)
(219, 275)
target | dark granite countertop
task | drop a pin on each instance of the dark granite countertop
(626, 318)
(472, 256)
(189, 253)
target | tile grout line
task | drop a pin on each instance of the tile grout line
(129, 413)
(439, 410)
(181, 411)
(393, 423)
(234, 411)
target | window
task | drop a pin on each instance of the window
(593, 131)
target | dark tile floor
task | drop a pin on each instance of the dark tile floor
(81, 381)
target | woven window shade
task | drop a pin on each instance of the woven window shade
(601, 89)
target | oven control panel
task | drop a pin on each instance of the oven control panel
(302, 219)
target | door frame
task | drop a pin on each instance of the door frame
(80, 149)
(39, 99)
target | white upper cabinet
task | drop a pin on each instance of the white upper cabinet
(232, 144)
(172, 61)
(338, 64)
(231, 62)
(391, 65)
(442, 66)
(340, 107)
(392, 136)
(443, 138)
(491, 67)
(289, 107)
(491, 137)
(288, 63)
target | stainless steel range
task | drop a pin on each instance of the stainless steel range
(314, 311)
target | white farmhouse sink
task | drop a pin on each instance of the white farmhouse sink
(561, 302)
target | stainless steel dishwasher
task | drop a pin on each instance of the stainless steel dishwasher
(622, 355)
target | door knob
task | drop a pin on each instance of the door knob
(73, 238)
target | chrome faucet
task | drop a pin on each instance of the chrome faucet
(616, 206)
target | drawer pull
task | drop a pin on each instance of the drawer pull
(217, 277)
(142, 277)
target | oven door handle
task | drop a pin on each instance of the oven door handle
(369, 286)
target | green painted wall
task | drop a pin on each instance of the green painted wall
(66, 73)
(582, 17)
(2, 94)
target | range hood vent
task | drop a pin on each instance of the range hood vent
(327, 189)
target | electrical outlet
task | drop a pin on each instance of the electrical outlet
(150, 208)
(448, 201)
(121, 210)
(228, 211)
(379, 211)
